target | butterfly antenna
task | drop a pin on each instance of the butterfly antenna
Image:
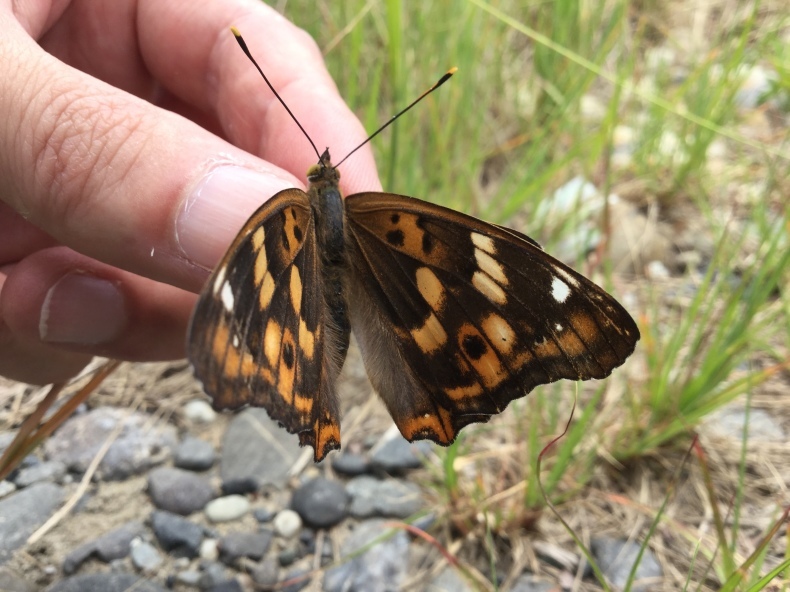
(246, 50)
(438, 83)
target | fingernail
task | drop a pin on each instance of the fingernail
(82, 309)
(217, 209)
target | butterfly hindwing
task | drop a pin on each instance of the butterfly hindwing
(456, 317)
(258, 331)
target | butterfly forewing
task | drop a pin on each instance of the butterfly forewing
(457, 317)
(257, 333)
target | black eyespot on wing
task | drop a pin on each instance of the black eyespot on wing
(474, 346)
(395, 237)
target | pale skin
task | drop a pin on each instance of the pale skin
(135, 141)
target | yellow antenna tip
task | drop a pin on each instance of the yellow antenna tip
(452, 71)
(235, 32)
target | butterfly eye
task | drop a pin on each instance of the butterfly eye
(314, 172)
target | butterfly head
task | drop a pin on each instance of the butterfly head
(323, 172)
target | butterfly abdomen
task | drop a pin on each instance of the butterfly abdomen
(330, 220)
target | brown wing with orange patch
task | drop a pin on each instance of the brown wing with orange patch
(257, 332)
(456, 317)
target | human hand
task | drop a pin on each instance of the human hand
(127, 165)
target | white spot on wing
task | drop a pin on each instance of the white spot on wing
(559, 290)
(235, 341)
(219, 280)
(226, 295)
(484, 242)
(566, 276)
(488, 287)
(558, 327)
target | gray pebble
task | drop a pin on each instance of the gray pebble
(227, 508)
(264, 515)
(52, 470)
(240, 485)
(245, 544)
(289, 555)
(320, 502)
(350, 464)
(266, 573)
(105, 582)
(213, 573)
(188, 577)
(140, 445)
(108, 547)
(199, 411)
(254, 446)
(194, 454)
(231, 585)
(616, 558)
(381, 566)
(287, 524)
(23, 512)
(372, 497)
(176, 535)
(178, 491)
(145, 557)
(396, 455)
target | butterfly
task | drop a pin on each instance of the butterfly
(454, 317)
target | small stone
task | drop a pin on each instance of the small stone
(178, 491)
(616, 559)
(320, 502)
(266, 573)
(227, 508)
(140, 445)
(372, 497)
(209, 550)
(194, 454)
(728, 422)
(245, 544)
(240, 486)
(199, 411)
(395, 455)
(425, 522)
(112, 545)
(145, 557)
(287, 523)
(213, 573)
(264, 515)
(52, 470)
(105, 582)
(176, 535)
(255, 446)
(116, 543)
(188, 577)
(232, 585)
(23, 512)
(350, 464)
(382, 565)
(289, 555)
